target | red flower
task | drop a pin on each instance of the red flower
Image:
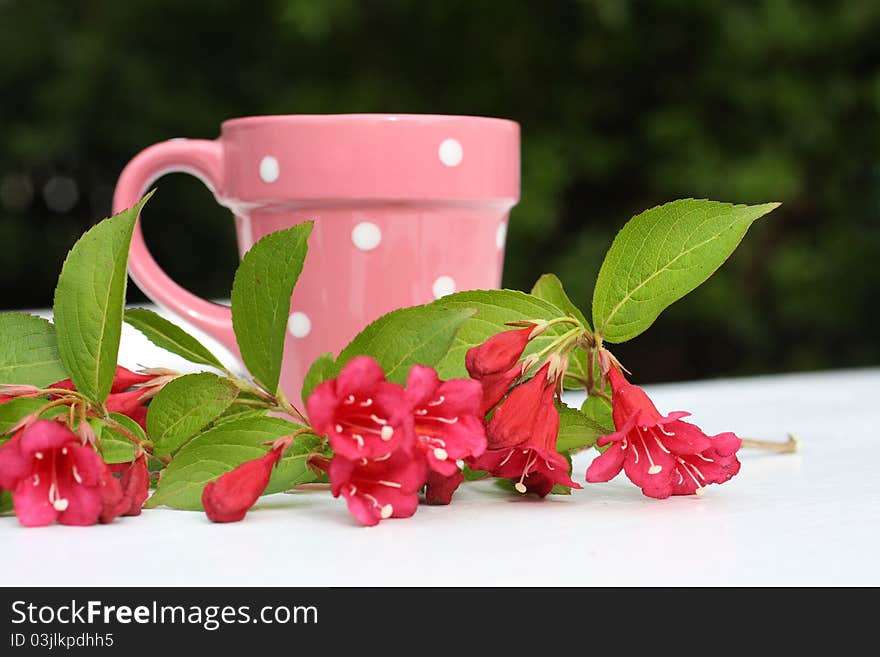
(53, 477)
(662, 455)
(387, 487)
(497, 354)
(228, 498)
(495, 364)
(128, 402)
(446, 418)
(135, 483)
(527, 414)
(535, 467)
(11, 392)
(522, 439)
(362, 414)
(535, 464)
(439, 489)
(123, 379)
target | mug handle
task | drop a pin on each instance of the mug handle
(204, 160)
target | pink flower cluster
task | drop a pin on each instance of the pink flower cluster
(57, 475)
(390, 442)
(523, 428)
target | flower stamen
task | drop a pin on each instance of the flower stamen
(654, 469)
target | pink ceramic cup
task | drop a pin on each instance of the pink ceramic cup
(407, 209)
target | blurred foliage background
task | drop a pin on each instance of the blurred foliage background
(623, 105)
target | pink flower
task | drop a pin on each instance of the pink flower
(53, 477)
(228, 498)
(128, 402)
(446, 418)
(495, 364)
(11, 392)
(135, 483)
(387, 487)
(495, 386)
(362, 414)
(522, 439)
(439, 489)
(497, 354)
(123, 379)
(528, 414)
(536, 466)
(662, 455)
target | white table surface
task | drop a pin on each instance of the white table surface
(793, 519)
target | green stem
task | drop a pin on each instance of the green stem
(65, 392)
(592, 388)
(591, 369)
(289, 408)
(277, 402)
(555, 344)
(118, 428)
(564, 320)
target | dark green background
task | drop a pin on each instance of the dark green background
(623, 105)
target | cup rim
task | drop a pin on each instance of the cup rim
(364, 118)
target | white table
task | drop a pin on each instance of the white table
(806, 518)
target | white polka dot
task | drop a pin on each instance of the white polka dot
(442, 286)
(269, 169)
(501, 235)
(299, 325)
(450, 152)
(366, 236)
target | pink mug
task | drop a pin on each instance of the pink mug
(407, 209)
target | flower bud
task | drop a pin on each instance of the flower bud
(497, 354)
(228, 498)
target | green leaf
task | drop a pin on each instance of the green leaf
(400, 339)
(322, 369)
(226, 446)
(661, 255)
(116, 447)
(238, 411)
(598, 409)
(240, 408)
(170, 336)
(549, 288)
(89, 302)
(576, 430)
(5, 501)
(15, 409)
(29, 351)
(493, 309)
(261, 295)
(473, 475)
(185, 406)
